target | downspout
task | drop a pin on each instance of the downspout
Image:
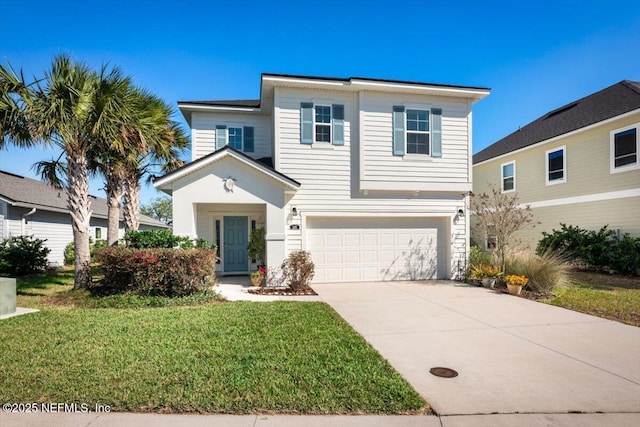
(23, 220)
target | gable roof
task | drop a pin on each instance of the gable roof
(30, 193)
(610, 102)
(263, 165)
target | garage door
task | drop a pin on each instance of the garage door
(361, 249)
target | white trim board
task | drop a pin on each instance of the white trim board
(599, 197)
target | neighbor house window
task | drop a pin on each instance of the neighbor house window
(323, 123)
(491, 243)
(556, 166)
(509, 176)
(624, 148)
(418, 131)
(98, 233)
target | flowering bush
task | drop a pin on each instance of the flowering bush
(157, 272)
(482, 271)
(516, 280)
(259, 275)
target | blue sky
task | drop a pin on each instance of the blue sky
(535, 55)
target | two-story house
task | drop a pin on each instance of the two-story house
(371, 176)
(577, 164)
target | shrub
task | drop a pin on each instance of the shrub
(600, 249)
(155, 272)
(478, 256)
(147, 239)
(298, 270)
(69, 254)
(482, 271)
(70, 251)
(22, 255)
(545, 271)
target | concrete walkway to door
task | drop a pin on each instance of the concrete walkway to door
(512, 355)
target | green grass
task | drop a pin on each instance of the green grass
(53, 289)
(610, 302)
(219, 358)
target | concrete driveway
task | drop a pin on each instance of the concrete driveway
(512, 355)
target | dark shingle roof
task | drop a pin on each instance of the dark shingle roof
(613, 101)
(250, 103)
(33, 193)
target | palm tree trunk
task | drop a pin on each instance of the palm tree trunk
(114, 194)
(79, 208)
(131, 204)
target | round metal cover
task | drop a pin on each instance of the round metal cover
(443, 372)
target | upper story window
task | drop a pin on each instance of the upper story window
(556, 166)
(240, 138)
(321, 123)
(508, 176)
(417, 131)
(624, 148)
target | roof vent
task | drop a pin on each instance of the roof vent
(561, 110)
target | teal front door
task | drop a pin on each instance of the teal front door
(236, 233)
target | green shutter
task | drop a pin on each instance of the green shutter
(338, 124)
(306, 123)
(248, 139)
(221, 136)
(398, 131)
(436, 132)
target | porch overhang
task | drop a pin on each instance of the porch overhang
(165, 183)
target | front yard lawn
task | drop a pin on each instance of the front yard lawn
(217, 358)
(611, 297)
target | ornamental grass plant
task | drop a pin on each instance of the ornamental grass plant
(544, 271)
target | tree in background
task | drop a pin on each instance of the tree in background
(72, 107)
(160, 208)
(499, 216)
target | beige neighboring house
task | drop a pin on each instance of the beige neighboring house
(371, 176)
(29, 207)
(578, 164)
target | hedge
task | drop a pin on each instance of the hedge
(155, 272)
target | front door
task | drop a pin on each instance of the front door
(236, 233)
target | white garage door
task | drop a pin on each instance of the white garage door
(361, 249)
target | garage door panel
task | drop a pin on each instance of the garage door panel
(353, 249)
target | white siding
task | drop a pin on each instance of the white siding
(330, 184)
(379, 165)
(203, 132)
(3, 213)
(56, 229)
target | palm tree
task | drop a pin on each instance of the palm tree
(74, 108)
(160, 144)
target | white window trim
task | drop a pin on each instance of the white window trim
(502, 176)
(330, 124)
(612, 134)
(406, 132)
(564, 165)
(242, 139)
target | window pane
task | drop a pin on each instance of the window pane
(507, 184)
(556, 175)
(625, 148)
(417, 143)
(323, 114)
(235, 138)
(323, 133)
(507, 170)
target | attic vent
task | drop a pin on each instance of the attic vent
(561, 110)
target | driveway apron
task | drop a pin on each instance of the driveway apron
(512, 355)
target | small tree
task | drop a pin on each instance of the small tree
(500, 215)
(159, 208)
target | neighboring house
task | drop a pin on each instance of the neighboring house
(370, 176)
(578, 164)
(29, 207)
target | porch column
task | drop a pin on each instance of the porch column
(275, 238)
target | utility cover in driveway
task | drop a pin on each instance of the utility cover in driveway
(360, 249)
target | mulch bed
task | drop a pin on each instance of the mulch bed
(612, 280)
(305, 290)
